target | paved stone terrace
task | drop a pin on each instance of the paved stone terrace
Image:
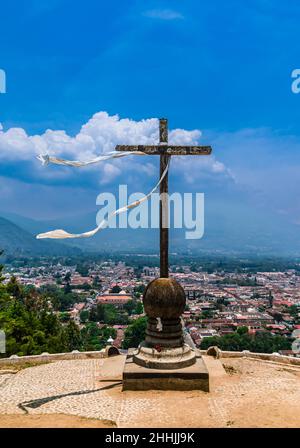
(251, 393)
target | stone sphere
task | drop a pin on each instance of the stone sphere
(164, 298)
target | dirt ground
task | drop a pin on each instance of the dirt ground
(81, 394)
(243, 393)
(52, 421)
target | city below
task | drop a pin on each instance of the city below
(238, 310)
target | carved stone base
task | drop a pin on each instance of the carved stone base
(164, 358)
(137, 377)
(164, 333)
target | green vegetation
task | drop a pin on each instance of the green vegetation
(84, 316)
(262, 342)
(294, 311)
(61, 299)
(82, 269)
(207, 314)
(111, 315)
(108, 314)
(135, 333)
(115, 289)
(32, 331)
(94, 338)
(32, 325)
(139, 290)
(133, 307)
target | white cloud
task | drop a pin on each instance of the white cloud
(109, 172)
(99, 135)
(163, 14)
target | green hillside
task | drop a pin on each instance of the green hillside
(16, 241)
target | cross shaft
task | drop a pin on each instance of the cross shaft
(165, 151)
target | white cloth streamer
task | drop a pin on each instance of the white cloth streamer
(46, 159)
(62, 234)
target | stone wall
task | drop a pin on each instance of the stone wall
(274, 357)
(14, 359)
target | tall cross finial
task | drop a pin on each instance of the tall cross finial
(163, 130)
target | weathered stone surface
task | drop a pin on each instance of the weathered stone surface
(110, 350)
(214, 351)
(164, 298)
(136, 377)
(164, 301)
(170, 150)
(168, 358)
(164, 333)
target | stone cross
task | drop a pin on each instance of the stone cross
(165, 151)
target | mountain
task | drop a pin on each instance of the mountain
(16, 241)
(240, 229)
(30, 225)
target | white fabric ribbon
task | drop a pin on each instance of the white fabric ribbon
(46, 159)
(62, 234)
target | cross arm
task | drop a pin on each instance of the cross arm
(171, 150)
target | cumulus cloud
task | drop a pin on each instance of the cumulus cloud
(109, 172)
(99, 135)
(263, 163)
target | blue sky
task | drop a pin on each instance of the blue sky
(223, 68)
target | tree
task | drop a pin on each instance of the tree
(96, 282)
(93, 317)
(73, 336)
(14, 288)
(134, 307)
(82, 269)
(61, 299)
(262, 342)
(4, 296)
(84, 316)
(140, 289)
(115, 289)
(105, 313)
(135, 333)
(277, 316)
(139, 308)
(90, 337)
(207, 314)
(100, 312)
(94, 338)
(64, 316)
(110, 314)
(29, 323)
(106, 333)
(130, 307)
(67, 278)
(67, 288)
(294, 311)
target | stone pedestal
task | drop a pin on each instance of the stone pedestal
(193, 377)
(163, 361)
